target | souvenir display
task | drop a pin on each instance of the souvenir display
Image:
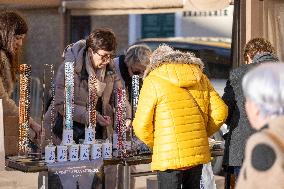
(107, 150)
(50, 153)
(92, 102)
(73, 152)
(135, 93)
(61, 153)
(52, 89)
(50, 148)
(84, 151)
(96, 151)
(24, 108)
(120, 118)
(137, 146)
(67, 137)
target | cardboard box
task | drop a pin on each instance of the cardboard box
(11, 135)
(11, 145)
(11, 126)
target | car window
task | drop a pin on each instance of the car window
(216, 59)
(217, 62)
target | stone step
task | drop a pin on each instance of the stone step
(152, 182)
(19, 180)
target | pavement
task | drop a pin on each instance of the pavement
(141, 182)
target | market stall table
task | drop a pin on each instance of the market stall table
(33, 164)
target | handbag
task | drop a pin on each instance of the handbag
(78, 129)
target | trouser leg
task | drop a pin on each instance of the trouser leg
(169, 179)
(191, 177)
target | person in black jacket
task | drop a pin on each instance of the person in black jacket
(257, 50)
(134, 62)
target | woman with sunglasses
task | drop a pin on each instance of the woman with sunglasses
(91, 57)
(134, 62)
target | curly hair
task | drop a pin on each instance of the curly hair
(257, 45)
(11, 24)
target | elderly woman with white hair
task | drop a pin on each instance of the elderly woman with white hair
(264, 158)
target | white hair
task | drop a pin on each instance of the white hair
(264, 85)
(138, 53)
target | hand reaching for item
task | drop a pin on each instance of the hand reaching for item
(128, 124)
(103, 120)
(39, 134)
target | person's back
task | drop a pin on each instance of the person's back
(264, 157)
(263, 166)
(178, 110)
(257, 51)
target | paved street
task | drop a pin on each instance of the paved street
(141, 182)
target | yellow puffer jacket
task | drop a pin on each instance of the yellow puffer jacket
(169, 121)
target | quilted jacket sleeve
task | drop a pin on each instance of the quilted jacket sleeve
(217, 112)
(143, 122)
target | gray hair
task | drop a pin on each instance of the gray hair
(138, 53)
(264, 85)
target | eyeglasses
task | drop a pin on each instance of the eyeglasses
(106, 56)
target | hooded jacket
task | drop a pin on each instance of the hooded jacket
(178, 110)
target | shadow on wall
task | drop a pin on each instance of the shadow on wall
(36, 102)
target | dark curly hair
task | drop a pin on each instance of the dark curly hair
(11, 24)
(257, 45)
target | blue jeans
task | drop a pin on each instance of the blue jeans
(237, 170)
(180, 179)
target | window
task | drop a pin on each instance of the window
(158, 25)
(80, 27)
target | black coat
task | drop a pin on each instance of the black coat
(237, 121)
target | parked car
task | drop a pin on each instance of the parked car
(214, 52)
(216, 55)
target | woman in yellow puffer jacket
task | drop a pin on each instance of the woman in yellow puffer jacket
(178, 110)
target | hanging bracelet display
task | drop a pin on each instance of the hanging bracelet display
(24, 108)
(67, 137)
(120, 122)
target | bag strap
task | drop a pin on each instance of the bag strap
(276, 139)
(196, 104)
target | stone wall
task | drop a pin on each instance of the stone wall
(43, 41)
(118, 23)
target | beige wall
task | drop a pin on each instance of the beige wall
(254, 19)
(41, 46)
(118, 23)
(43, 40)
(265, 19)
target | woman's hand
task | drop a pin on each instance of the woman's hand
(103, 120)
(128, 123)
(39, 134)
